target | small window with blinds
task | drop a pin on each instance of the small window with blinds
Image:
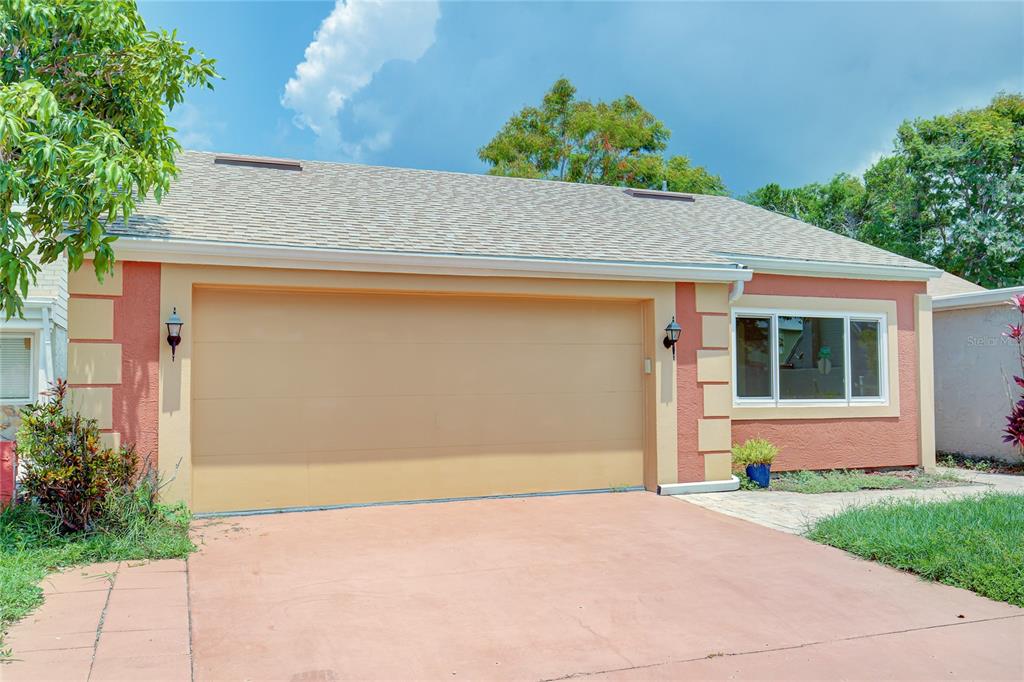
(16, 368)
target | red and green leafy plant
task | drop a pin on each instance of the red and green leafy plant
(66, 470)
(1014, 431)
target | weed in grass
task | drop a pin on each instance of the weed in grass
(745, 482)
(989, 465)
(976, 543)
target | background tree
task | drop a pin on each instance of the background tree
(84, 89)
(965, 179)
(605, 143)
(838, 205)
(951, 194)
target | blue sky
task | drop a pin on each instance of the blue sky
(757, 92)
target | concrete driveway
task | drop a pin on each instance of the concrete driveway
(626, 585)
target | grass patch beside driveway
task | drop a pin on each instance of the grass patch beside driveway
(841, 481)
(976, 542)
(31, 549)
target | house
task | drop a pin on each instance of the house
(356, 334)
(974, 363)
(33, 351)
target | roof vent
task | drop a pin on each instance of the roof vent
(258, 162)
(655, 194)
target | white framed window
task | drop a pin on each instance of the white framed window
(19, 362)
(801, 357)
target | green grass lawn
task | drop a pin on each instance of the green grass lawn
(849, 481)
(30, 549)
(976, 542)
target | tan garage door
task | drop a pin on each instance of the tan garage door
(304, 399)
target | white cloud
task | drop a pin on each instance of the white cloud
(870, 159)
(356, 39)
(194, 130)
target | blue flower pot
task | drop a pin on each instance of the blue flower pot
(760, 474)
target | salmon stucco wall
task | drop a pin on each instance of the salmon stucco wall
(139, 329)
(688, 395)
(849, 442)
(702, 373)
(115, 332)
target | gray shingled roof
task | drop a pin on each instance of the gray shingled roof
(354, 207)
(948, 283)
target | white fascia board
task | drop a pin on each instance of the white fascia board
(809, 268)
(975, 299)
(264, 256)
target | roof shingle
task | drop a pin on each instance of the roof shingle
(368, 208)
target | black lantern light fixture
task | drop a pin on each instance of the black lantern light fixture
(672, 332)
(173, 331)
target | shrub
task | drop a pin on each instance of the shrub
(754, 451)
(1014, 431)
(67, 472)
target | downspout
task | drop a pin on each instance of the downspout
(47, 350)
(737, 291)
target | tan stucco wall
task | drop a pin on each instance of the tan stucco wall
(973, 361)
(179, 281)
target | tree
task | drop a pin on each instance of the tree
(83, 133)
(838, 205)
(965, 185)
(607, 143)
(951, 194)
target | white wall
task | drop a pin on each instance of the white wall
(46, 316)
(973, 361)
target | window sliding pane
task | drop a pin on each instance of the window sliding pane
(864, 359)
(811, 358)
(753, 357)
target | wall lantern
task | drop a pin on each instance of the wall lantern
(173, 331)
(672, 332)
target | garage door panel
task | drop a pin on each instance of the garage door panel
(225, 370)
(347, 398)
(253, 482)
(310, 479)
(390, 422)
(369, 476)
(228, 315)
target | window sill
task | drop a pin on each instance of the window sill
(822, 410)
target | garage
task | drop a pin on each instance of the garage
(305, 398)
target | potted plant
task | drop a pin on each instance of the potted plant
(756, 455)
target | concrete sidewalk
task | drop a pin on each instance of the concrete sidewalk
(121, 621)
(627, 585)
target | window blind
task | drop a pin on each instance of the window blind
(16, 367)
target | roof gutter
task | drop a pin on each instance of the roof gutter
(811, 268)
(975, 299)
(259, 255)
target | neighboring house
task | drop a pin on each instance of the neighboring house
(33, 352)
(357, 334)
(974, 363)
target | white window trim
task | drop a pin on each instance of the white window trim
(37, 322)
(36, 376)
(773, 314)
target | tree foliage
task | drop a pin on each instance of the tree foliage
(84, 90)
(605, 143)
(951, 194)
(836, 205)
